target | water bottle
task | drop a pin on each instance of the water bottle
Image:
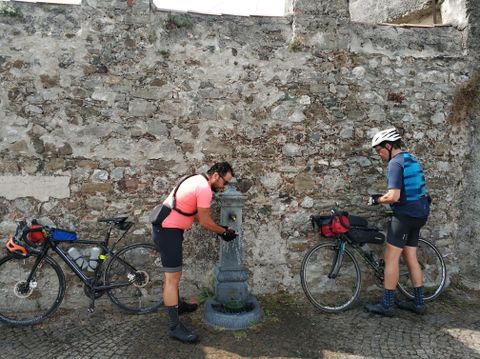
(370, 254)
(77, 257)
(93, 262)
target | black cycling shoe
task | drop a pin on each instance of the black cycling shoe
(184, 307)
(378, 308)
(410, 305)
(179, 332)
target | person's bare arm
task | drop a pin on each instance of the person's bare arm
(392, 196)
(206, 221)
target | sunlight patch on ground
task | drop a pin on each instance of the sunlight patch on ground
(468, 337)
(328, 354)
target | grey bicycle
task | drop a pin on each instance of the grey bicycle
(330, 273)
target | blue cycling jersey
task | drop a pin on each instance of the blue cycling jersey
(406, 174)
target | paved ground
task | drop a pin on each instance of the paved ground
(291, 328)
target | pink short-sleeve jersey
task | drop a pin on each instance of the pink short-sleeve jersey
(193, 193)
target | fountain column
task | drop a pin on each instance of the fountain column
(233, 307)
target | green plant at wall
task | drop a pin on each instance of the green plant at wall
(9, 10)
(177, 22)
(466, 99)
(164, 53)
(296, 45)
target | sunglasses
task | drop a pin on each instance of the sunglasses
(226, 183)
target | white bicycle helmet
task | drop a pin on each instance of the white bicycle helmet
(389, 135)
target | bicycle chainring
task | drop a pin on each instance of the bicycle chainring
(97, 293)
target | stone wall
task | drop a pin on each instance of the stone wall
(124, 101)
(377, 11)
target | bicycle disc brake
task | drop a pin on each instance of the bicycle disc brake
(24, 289)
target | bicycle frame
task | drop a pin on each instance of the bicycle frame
(90, 282)
(343, 241)
(127, 274)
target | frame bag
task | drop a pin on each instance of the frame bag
(366, 235)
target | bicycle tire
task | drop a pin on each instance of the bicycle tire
(330, 294)
(433, 269)
(21, 305)
(139, 267)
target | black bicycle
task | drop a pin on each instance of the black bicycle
(32, 283)
(330, 273)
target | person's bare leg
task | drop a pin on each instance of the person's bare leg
(170, 301)
(416, 275)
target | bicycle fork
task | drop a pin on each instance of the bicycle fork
(337, 261)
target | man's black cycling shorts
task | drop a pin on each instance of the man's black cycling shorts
(169, 243)
(404, 231)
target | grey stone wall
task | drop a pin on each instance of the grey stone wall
(377, 11)
(124, 101)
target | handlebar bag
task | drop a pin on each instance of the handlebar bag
(36, 234)
(329, 226)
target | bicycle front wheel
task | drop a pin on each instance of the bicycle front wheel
(24, 302)
(433, 269)
(135, 273)
(325, 292)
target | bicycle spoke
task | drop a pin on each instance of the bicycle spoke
(433, 270)
(144, 293)
(324, 292)
(26, 303)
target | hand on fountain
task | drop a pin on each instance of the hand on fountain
(228, 235)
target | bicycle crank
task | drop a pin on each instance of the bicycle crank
(96, 294)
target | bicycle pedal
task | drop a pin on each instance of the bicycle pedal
(91, 309)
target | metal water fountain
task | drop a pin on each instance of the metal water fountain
(233, 307)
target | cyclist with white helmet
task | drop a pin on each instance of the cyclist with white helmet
(407, 195)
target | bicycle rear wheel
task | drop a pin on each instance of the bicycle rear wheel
(27, 303)
(326, 293)
(136, 271)
(433, 269)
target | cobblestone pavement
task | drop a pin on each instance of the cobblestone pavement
(291, 328)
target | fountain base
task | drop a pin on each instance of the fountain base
(232, 317)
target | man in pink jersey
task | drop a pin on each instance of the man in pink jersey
(189, 201)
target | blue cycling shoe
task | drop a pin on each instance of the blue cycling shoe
(184, 307)
(410, 306)
(181, 333)
(378, 308)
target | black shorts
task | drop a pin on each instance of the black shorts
(404, 231)
(169, 243)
